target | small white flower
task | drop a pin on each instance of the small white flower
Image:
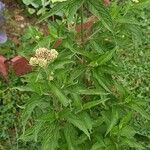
(52, 55)
(42, 62)
(41, 52)
(33, 61)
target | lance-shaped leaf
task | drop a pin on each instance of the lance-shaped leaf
(92, 104)
(50, 140)
(101, 60)
(79, 123)
(99, 10)
(59, 94)
(113, 121)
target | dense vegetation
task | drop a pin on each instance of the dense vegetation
(89, 93)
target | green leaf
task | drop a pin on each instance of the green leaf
(27, 2)
(133, 144)
(22, 89)
(50, 140)
(128, 132)
(103, 58)
(79, 123)
(98, 146)
(47, 117)
(113, 121)
(100, 81)
(76, 50)
(70, 135)
(81, 139)
(77, 101)
(90, 92)
(141, 4)
(29, 107)
(57, 8)
(125, 120)
(92, 104)
(141, 111)
(59, 94)
(126, 21)
(72, 8)
(32, 133)
(87, 119)
(98, 9)
(61, 63)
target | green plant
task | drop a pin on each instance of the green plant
(11, 101)
(77, 101)
(39, 6)
(135, 62)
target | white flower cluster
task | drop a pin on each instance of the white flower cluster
(43, 57)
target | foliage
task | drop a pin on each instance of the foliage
(84, 99)
(135, 62)
(85, 106)
(39, 6)
(11, 101)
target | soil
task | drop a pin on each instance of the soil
(16, 20)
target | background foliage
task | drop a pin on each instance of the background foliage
(99, 98)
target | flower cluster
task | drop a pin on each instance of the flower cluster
(43, 57)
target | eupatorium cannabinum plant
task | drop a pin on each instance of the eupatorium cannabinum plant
(76, 101)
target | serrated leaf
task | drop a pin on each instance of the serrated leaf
(69, 44)
(23, 89)
(128, 132)
(72, 8)
(50, 141)
(98, 146)
(141, 4)
(92, 104)
(103, 58)
(90, 92)
(32, 133)
(59, 94)
(70, 135)
(141, 111)
(47, 117)
(81, 139)
(133, 144)
(79, 123)
(113, 121)
(100, 81)
(87, 119)
(57, 8)
(30, 106)
(98, 9)
(125, 120)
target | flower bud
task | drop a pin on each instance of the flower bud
(41, 53)
(42, 62)
(52, 55)
(33, 61)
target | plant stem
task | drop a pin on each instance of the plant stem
(82, 31)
